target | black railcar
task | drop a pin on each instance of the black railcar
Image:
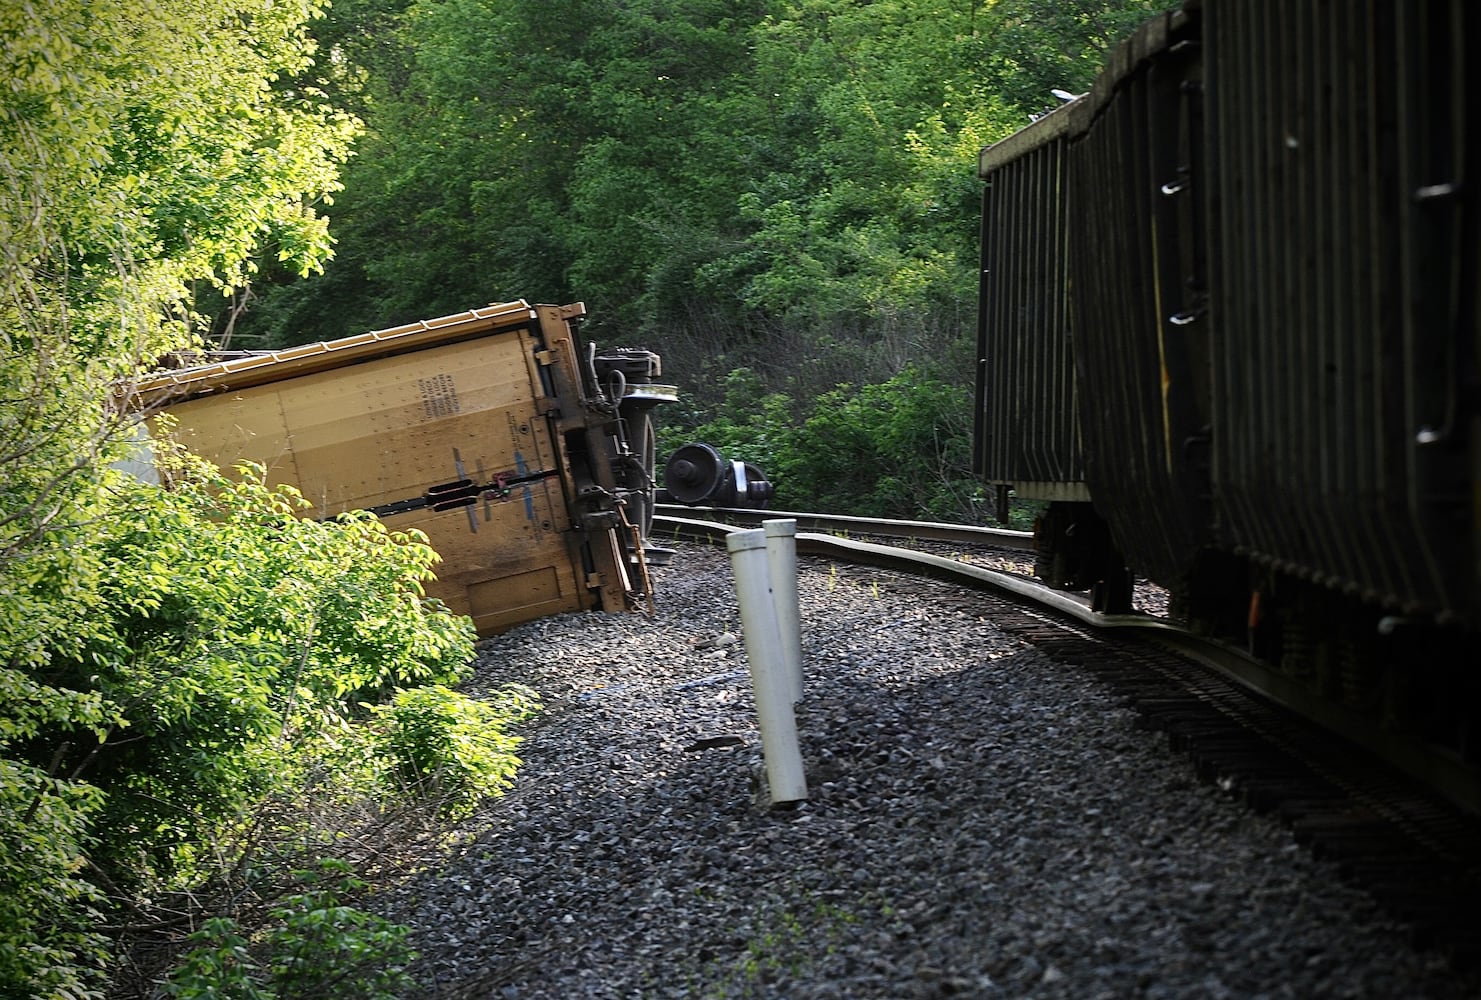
(1228, 328)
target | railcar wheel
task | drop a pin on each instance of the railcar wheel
(645, 454)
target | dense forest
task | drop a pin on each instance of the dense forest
(780, 198)
(217, 720)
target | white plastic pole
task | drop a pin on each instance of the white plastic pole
(781, 562)
(784, 773)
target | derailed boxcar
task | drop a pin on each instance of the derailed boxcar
(524, 455)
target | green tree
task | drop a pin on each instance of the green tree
(896, 449)
(885, 106)
(1029, 48)
(785, 187)
(142, 149)
(443, 747)
(539, 150)
(900, 448)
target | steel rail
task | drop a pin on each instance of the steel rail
(935, 531)
(910, 561)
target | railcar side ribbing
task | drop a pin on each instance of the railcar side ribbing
(1265, 305)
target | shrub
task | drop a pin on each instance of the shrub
(229, 635)
(901, 448)
(315, 946)
(47, 946)
(162, 742)
(446, 747)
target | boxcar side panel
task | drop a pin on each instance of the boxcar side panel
(386, 434)
(523, 562)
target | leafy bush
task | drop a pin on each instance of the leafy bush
(47, 946)
(229, 634)
(449, 748)
(749, 423)
(316, 946)
(901, 448)
(114, 155)
(162, 743)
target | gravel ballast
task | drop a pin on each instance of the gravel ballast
(982, 822)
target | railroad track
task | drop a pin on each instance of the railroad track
(843, 525)
(1400, 821)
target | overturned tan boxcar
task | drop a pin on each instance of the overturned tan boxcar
(524, 454)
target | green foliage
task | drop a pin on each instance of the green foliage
(47, 946)
(228, 648)
(900, 448)
(143, 148)
(678, 163)
(748, 422)
(328, 949)
(228, 632)
(449, 748)
(1031, 47)
(219, 966)
(863, 221)
(315, 946)
(896, 449)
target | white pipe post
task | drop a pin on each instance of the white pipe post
(781, 562)
(784, 773)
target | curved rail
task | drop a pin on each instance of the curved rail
(910, 561)
(936, 531)
(1449, 777)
